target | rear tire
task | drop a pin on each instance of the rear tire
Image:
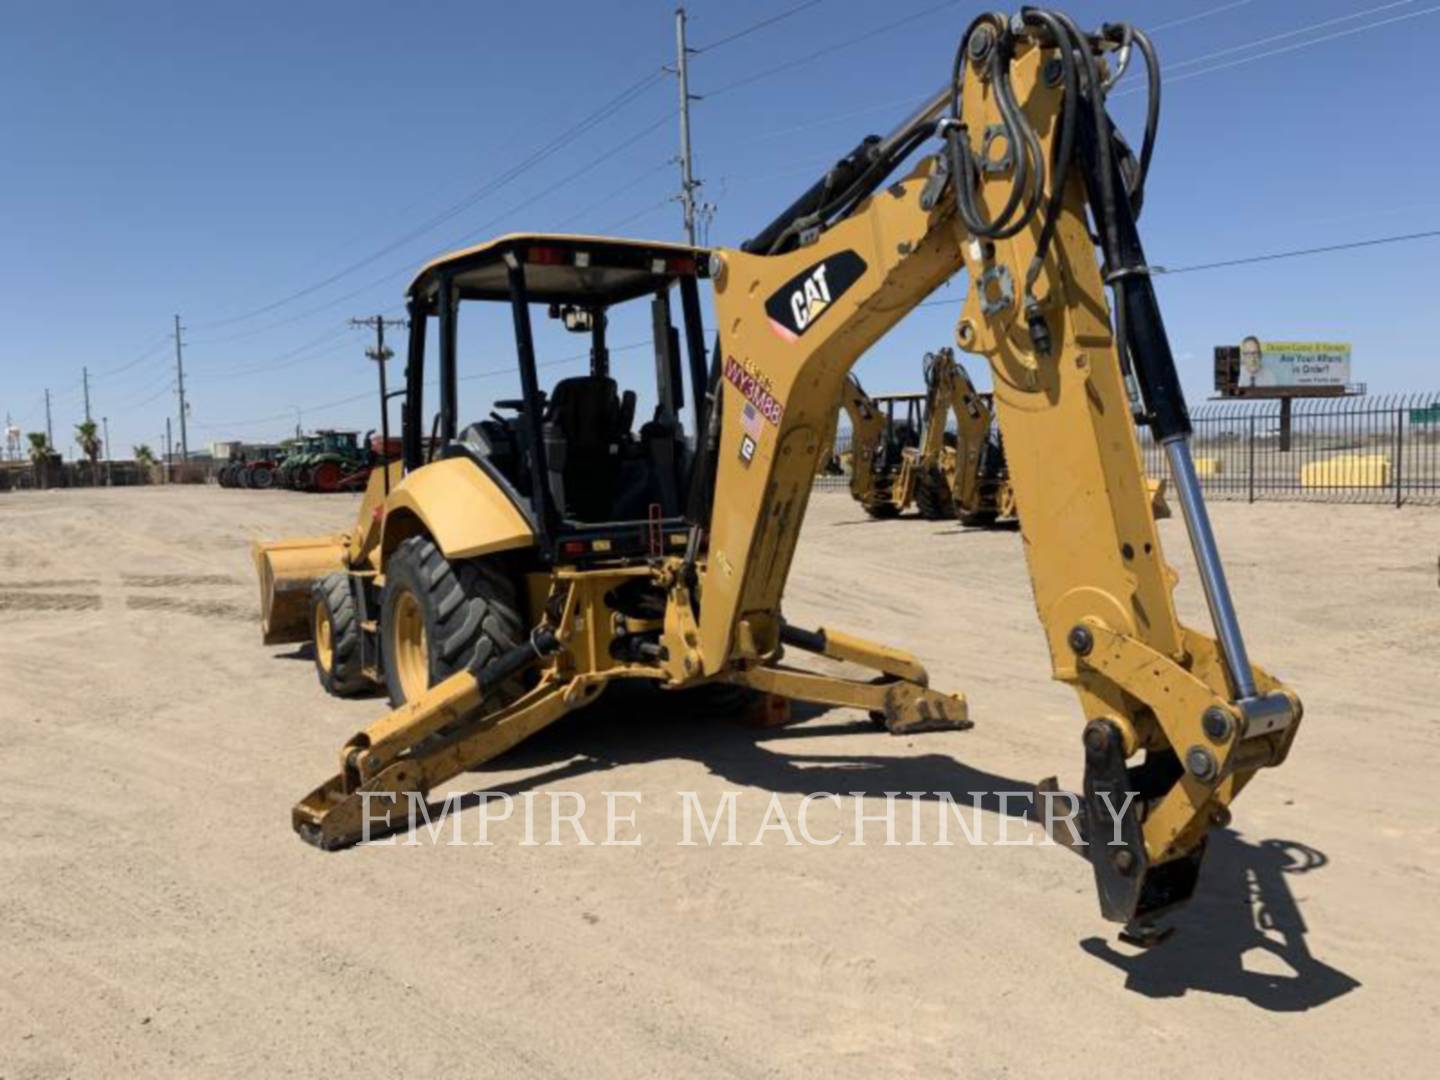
(335, 630)
(933, 498)
(325, 477)
(437, 617)
(260, 479)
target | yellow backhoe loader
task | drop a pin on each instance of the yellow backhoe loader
(503, 578)
(902, 450)
(961, 473)
(883, 431)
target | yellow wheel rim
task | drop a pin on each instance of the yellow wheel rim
(410, 650)
(324, 639)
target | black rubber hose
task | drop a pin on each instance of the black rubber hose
(1152, 109)
(1064, 145)
(1018, 136)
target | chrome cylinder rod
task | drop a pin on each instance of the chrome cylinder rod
(1212, 572)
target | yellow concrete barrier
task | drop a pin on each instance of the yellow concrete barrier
(1347, 470)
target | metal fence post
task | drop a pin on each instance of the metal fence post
(1250, 459)
(1399, 452)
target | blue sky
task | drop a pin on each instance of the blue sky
(212, 160)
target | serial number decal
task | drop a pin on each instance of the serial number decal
(756, 389)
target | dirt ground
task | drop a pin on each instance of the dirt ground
(160, 918)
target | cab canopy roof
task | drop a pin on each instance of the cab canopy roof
(591, 271)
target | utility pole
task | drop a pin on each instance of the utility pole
(688, 183)
(106, 421)
(180, 385)
(49, 427)
(380, 354)
(85, 378)
(169, 448)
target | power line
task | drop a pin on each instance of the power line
(771, 21)
(236, 425)
(285, 361)
(1273, 256)
(1297, 253)
(491, 186)
(1198, 15)
(629, 185)
(409, 267)
(638, 214)
(167, 388)
(828, 49)
(1289, 48)
(167, 380)
(1272, 38)
(153, 349)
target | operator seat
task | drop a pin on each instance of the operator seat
(586, 424)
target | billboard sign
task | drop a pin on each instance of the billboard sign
(1278, 364)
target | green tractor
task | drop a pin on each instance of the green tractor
(297, 454)
(338, 463)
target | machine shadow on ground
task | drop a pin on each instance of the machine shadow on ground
(1242, 935)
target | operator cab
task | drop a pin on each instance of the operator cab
(904, 419)
(591, 477)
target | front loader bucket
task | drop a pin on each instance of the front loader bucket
(287, 569)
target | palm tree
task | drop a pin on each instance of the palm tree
(40, 457)
(87, 436)
(145, 458)
(39, 446)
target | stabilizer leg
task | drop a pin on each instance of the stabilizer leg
(900, 698)
(403, 756)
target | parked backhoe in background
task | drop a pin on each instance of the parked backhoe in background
(960, 473)
(882, 431)
(903, 451)
(537, 556)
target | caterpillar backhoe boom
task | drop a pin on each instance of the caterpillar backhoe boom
(1025, 149)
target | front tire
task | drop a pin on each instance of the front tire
(335, 626)
(438, 617)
